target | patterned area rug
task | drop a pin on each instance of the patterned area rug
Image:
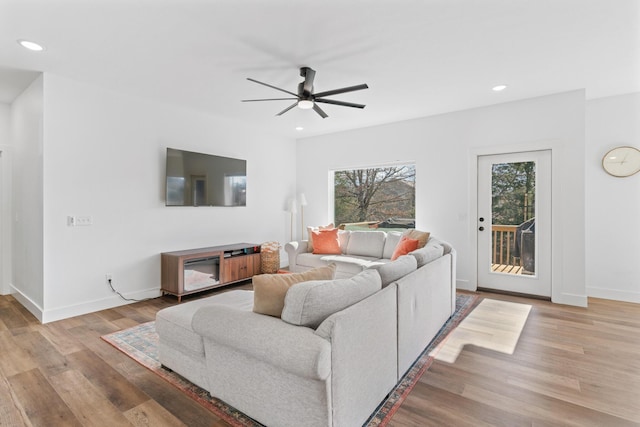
(141, 344)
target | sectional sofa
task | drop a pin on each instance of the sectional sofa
(339, 347)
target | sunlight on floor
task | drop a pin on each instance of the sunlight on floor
(495, 325)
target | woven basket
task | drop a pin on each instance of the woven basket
(270, 258)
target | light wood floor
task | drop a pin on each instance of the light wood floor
(572, 366)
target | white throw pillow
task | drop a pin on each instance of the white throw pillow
(390, 243)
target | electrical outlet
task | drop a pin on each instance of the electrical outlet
(84, 220)
(71, 221)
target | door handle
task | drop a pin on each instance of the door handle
(481, 228)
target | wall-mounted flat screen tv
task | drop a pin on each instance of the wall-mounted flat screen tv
(198, 179)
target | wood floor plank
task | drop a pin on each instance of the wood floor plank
(45, 355)
(151, 413)
(60, 339)
(175, 401)
(12, 318)
(91, 340)
(444, 410)
(41, 402)
(118, 389)
(11, 412)
(13, 358)
(88, 404)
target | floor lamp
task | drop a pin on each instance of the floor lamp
(292, 210)
(303, 203)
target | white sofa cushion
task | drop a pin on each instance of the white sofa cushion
(390, 243)
(173, 324)
(311, 260)
(346, 265)
(343, 239)
(366, 243)
(433, 250)
(309, 303)
(394, 270)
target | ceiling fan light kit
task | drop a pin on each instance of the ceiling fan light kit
(306, 99)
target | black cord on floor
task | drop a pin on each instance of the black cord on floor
(125, 298)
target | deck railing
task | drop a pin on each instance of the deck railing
(503, 239)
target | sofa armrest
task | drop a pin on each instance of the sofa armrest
(294, 349)
(293, 249)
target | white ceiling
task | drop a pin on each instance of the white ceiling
(419, 57)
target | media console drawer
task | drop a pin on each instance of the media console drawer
(196, 270)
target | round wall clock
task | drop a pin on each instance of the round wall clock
(622, 161)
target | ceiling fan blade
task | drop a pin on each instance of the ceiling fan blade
(343, 90)
(287, 109)
(344, 104)
(319, 111)
(272, 87)
(269, 99)
(309, 75)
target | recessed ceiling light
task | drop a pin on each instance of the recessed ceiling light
(499, 88)
(30, 45)
(299, 128)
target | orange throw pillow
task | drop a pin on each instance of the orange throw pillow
(326, 242)
(404, 246)
(310, 231)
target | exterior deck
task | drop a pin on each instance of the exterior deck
(502, 259)
(506, 268)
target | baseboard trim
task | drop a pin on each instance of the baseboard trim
(54, 314)
(571, 299)
(27, 302)
(614, 294)
(465, 285)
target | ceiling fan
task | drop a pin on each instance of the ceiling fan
(306, 99)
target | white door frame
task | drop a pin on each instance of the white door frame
(539, 283)
(5, 220)
(556, 240)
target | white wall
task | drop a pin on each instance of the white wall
(444, 149)
(104, 156)
(5, 199)
(27, 213)
(612, 204)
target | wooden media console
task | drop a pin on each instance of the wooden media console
(196, 270)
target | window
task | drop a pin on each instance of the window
(380, 197)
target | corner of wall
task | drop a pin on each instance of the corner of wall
(28, 303)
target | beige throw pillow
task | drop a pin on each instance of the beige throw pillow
(310, 231)
(421, 236)
(269, 290)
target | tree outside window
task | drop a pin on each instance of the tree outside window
(375, 197)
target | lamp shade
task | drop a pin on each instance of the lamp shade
(292, 207)
(303, 200)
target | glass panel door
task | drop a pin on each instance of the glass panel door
(514, 222)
